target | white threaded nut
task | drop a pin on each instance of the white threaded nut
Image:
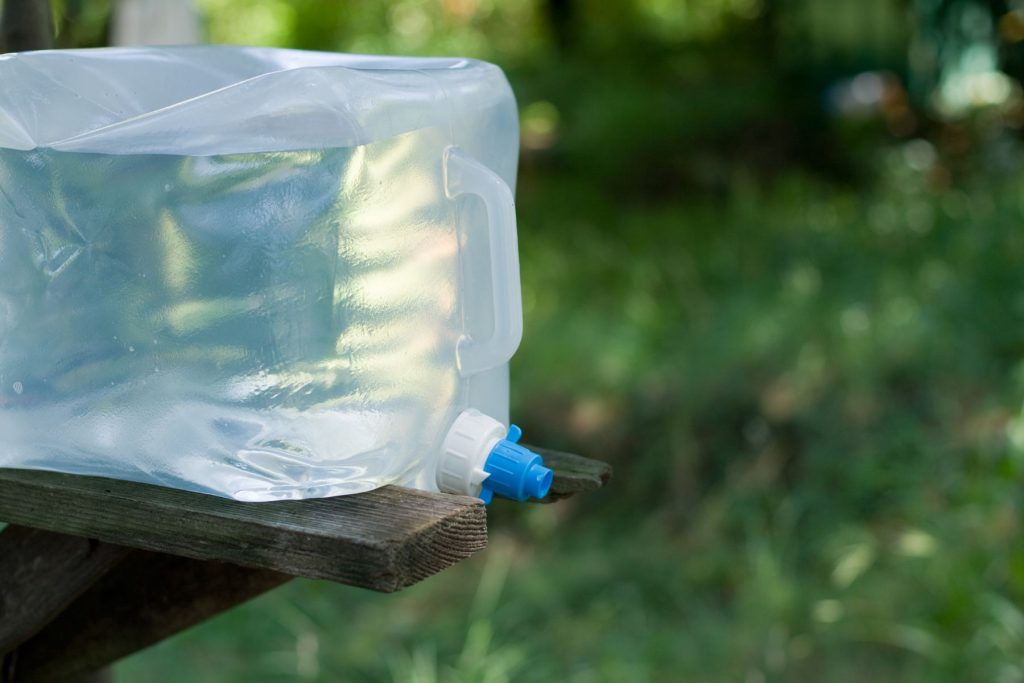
(464, 452)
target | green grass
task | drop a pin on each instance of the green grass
(812, 399)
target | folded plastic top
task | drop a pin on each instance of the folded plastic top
(203, 100)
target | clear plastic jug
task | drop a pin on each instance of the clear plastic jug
(257, 273)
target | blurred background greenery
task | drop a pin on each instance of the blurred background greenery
(773, 268)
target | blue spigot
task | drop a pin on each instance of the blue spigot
(515, 472)
(480, 457)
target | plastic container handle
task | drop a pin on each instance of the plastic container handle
(464, 175)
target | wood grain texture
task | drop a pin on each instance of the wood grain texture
(72, 606)
(26, 25)
(41, 573)
(146, 598)
(573, 474)
(383, 540)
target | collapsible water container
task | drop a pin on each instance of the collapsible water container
(259, 273)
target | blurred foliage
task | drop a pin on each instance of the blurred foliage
(771, 258)
(811, 396)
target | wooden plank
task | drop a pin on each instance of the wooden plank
(41, 573)
(573, 474)
(146, 598)
(26, 25)
(383, 540)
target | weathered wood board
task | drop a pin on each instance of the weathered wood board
(111, 567)
(383, 540)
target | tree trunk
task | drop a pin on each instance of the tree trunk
(26, 25)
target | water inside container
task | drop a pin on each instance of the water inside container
(261, 325)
